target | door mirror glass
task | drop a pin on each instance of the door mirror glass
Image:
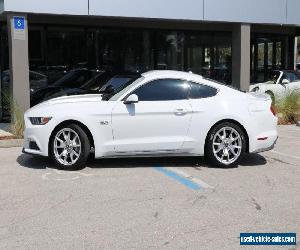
(132, 99)
(285, 81)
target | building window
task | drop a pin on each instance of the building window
(268, 52)
(209, 54)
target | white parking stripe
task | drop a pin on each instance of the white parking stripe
(188, 176)
(283, 154)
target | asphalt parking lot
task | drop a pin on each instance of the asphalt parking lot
(170, 203)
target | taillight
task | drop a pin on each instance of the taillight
(273, 110)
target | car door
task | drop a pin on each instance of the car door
(158, 123)
(203, 105)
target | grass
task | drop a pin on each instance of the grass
(288, 108)
(17, 116)
(18, 125)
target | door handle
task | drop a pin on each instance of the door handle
(180, 111)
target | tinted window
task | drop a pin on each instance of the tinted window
(201, 91)
(163, 90)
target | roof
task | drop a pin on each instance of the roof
(170, 73)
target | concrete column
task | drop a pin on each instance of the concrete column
(295, 52)
(18, 63)
(241, 56)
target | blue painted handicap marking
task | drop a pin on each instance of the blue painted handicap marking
(188, 183)
(19, 23)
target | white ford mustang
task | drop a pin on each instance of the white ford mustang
(162, 113)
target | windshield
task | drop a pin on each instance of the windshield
(97, 81)
(273, 77)
(123, 89)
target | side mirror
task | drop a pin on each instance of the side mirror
(132, 99)
(285, 81)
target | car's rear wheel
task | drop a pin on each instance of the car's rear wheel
(226, 145)
(70, 147)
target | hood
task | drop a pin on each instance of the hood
(69, 92)
(68, 100)
(76, 98)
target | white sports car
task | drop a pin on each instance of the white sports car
(162, 113)
(281, 83)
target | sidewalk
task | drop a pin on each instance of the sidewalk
(7, 139)
(4, 130)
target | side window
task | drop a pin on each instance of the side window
(163, 90)
(201, 91)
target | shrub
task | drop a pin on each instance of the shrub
(17, 116)
(17, 125)
(288, 108)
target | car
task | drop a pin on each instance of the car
(73, 79)
(162, 113)
(36, 79)
(101, 83)
(281, 83)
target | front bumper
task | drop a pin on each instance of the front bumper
(36, 139)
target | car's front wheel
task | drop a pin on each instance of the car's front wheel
(226, 145)
(70, 147)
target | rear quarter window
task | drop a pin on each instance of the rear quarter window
(199, 91)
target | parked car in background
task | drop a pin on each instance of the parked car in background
(37, 80)
(53, 73)
(281, 83)
(162, 113)
(74, 79)
(102, 83)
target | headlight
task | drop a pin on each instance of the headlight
(39, 120)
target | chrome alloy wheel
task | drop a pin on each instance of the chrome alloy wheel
(67, 147)
(227, 145)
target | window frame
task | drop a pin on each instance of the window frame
(190, 82)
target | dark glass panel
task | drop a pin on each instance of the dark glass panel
(163, 90)
(199, 91)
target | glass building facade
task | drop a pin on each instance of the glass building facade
(129, 50)
(268, 52)
(55, 50)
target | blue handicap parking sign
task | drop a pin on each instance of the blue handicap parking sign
(19, 23)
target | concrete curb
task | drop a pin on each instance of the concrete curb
(11, 143)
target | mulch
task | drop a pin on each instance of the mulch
(11, 137)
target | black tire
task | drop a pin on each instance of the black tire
(271, 94)
(209, 151)
(85, 148)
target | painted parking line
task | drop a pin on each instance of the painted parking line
(190, 177)
(188, 183)
(287, 155)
